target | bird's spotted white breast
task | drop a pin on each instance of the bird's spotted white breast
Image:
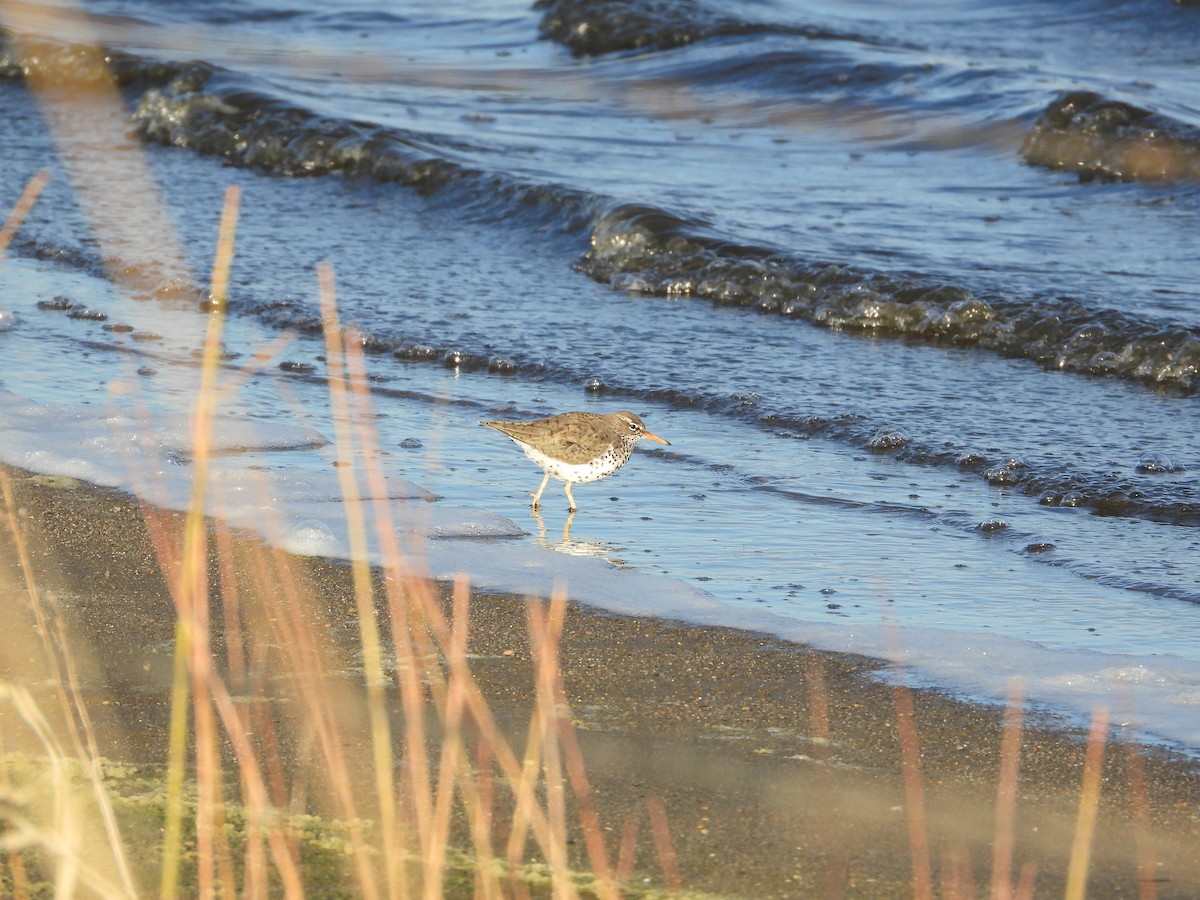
(600, 467)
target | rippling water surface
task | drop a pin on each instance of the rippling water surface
(911, 290)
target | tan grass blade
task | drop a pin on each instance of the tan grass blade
(627, 855)
(1006, 793)
(452, 744)
(64, 839)
(818, 704)
(667, 858)
(381, 734)
(29, 196)
(16, 865)
(1025, 882)
(836, 866)
(258, 805)
(190, 591)
(84, 745)
(956, 874)
(1139, 803)
(914, 794)
(545, 631)
(1089, 802)
(286, 610)
(409, 601)
(589, 819)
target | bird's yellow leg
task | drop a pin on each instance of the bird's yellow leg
(570, 499)
(537, 498)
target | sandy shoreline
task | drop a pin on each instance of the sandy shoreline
(721, 725)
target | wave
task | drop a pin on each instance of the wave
(214, 112)
(597, 27)
(648, 251)
(642, 249)
(1110, 140)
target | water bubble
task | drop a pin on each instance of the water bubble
(1039, 547)
(370, 343)
(1072, 499)
(461, 359)
(1008, 472)
(421, 352)
(595, 385)
(59, 303)
(632, 283)
(8, 320)
(1105, 361)
(887, 438)
(313, 534)
(1155, 464)
(501, 366)
(411, 444)
(971, 310)
(993, 525)
(225, 354)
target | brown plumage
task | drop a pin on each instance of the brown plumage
(577, 447)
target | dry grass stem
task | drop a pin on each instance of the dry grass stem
(545, 631)
(190, 591)
(352, 505)
(1089, 803)
(627, 854)
(29, 196)
(1006, 794)
(1139, 803)
(409, 604)
(668, 861)
(74, 709)
(914, 794)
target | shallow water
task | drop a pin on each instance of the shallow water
(929, 382)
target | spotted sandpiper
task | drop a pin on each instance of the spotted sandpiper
(577, 447)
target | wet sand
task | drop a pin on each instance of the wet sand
(779, 767)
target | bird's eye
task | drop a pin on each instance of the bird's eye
(633, 426)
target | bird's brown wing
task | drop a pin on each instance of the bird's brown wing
(572, 452)
(570, 439)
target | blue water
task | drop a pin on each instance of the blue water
(767, 236)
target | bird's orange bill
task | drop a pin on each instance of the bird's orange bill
(654, 437)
